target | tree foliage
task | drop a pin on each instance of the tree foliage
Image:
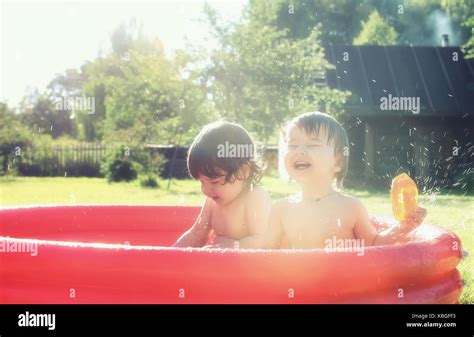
(414, 20)
(376, 31)
(261, 77)
(14, 137)
(39, 113)
(463, 12)
(147, 98)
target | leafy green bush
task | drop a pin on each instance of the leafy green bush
(37, 159)
(150, 182)
(148, 164)
(125, 163)
(118, 165)
(121, 170)
(14, 138)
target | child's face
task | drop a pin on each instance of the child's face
(310, 157)
(218, 190)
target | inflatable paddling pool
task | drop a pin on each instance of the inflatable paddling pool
(119, 254)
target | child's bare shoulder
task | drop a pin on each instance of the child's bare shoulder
(284, 203)
(256, 195)
(350, 202)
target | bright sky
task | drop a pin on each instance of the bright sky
(42, 38)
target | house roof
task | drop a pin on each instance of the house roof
(440, 76)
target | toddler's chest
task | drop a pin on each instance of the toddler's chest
(230, 223)
(310, 227)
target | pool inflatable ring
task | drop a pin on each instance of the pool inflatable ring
(119, 254)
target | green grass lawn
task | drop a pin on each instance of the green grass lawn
(455, 212)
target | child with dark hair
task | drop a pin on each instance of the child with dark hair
(316, 158)
(224, 159)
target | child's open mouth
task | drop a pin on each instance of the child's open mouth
(301, 165)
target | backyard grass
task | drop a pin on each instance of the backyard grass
(455, 212)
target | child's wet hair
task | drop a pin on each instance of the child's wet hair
(312, 123)
(203, 155)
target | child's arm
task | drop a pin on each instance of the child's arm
(414, 220)
(197, 235)
(365, 230)
(397, 232)
(274, 233)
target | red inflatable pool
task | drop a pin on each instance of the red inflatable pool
(119, 254)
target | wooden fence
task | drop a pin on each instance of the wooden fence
(82, 159)
(85, 159)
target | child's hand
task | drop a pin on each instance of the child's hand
(414, 220)
(223, 242)
(397, 233)
(220, 239)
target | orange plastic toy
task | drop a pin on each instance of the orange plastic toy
(404, 196)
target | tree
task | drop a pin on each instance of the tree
(147, 97)
(14, 136)
(463, 12)
(414, 20)
(376, 31)
(339, 19)
(39, 113)
(69, 85)
(261, 77)
(460, 10)
(468, 48)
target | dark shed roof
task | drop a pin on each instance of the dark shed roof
(444, 84)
